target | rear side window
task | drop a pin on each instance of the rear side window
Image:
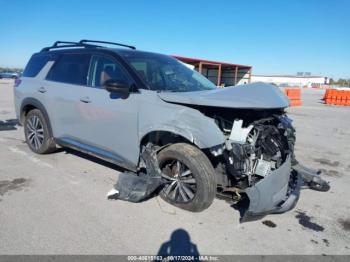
(70, 68)
(35, 64)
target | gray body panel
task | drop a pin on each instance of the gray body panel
(250, 96)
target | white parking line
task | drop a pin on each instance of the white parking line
(16, 150)
(31, 158)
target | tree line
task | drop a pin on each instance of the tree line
(340, 82)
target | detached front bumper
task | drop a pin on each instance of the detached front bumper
(276, 193)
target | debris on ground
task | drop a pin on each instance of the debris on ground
(269, 223)
(136, 187)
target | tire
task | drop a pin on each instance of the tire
(196, 168)
(38, 133)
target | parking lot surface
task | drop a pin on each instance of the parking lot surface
(56, 203)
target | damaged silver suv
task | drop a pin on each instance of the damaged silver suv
(175, 133)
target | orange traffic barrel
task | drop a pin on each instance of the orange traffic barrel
(294, 95)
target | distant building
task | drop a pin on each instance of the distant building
(220, 73)
(290, 80)
(228, 74)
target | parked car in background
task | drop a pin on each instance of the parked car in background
(11, 75)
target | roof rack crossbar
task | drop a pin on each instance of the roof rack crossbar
(65, 44)
(81, 43)
(105, 42)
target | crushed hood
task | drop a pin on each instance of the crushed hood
(252, 96)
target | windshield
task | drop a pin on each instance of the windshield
(164, 73)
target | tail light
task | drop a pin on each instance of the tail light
(18, 81)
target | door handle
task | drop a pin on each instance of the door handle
(85, 99)
(42, 89)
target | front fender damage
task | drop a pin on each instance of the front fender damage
(183, 121)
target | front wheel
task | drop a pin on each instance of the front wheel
(190, 177)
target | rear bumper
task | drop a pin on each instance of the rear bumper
(276, 193)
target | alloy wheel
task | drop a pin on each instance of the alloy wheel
(181, 185)
(35, 132)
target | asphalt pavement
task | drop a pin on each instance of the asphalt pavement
(56, 203)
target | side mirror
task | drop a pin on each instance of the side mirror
(118, 87)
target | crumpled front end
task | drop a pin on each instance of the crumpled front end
(257, 167)
(276, 193)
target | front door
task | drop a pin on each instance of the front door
(109, 122)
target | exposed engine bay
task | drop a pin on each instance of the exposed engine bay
(255, 149)
(257, 143)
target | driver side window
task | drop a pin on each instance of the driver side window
(102, 69)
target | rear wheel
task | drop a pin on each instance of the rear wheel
(37, 133)
(190, 177)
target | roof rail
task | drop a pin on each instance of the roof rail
(65, 44)
(84, 41)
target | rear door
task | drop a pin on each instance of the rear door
(66, 83)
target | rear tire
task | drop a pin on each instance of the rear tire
(193, 179)
(37, 133)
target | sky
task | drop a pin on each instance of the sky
(275, 37)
